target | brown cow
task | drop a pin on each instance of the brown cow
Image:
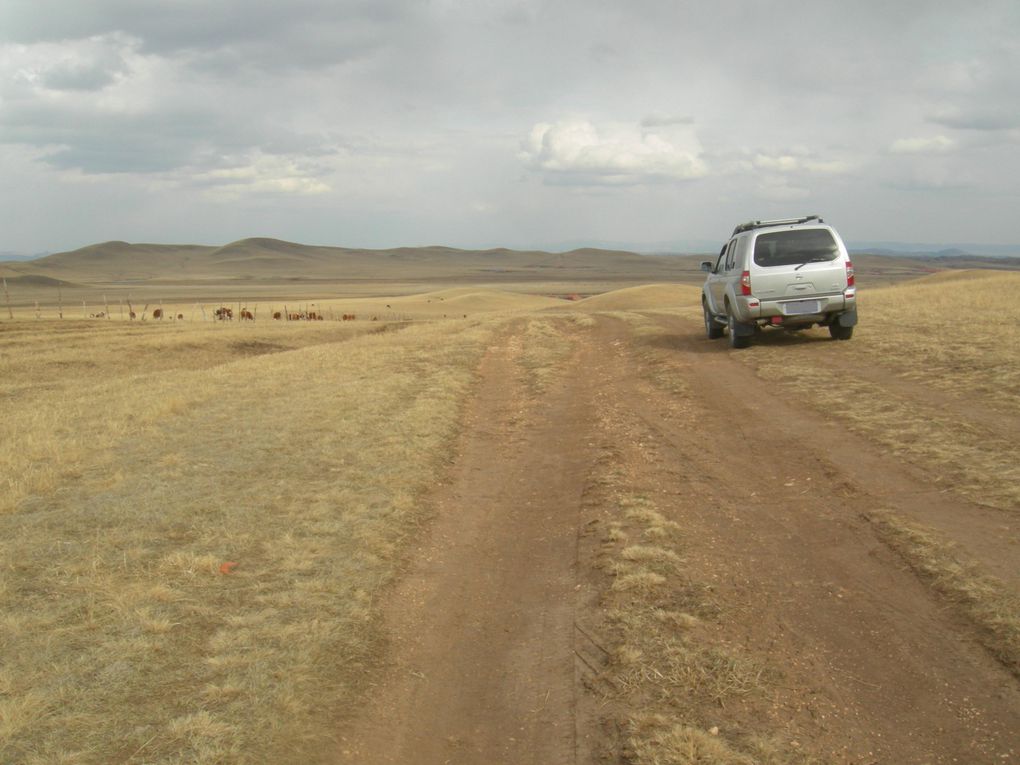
(158, 313)
(180, 317)
(277, 315)
(246, 315)
(223, 313)
(294, 317)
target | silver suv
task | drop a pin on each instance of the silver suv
(792, 273)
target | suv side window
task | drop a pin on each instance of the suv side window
(719, 260)
(729, 254)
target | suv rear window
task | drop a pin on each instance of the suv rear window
(786, 248)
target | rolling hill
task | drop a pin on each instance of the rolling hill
(262, 259)
(258, 266)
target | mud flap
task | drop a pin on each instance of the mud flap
(848, 318)
(744, 330)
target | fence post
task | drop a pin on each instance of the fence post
(7, 295)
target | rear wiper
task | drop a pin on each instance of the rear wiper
(815, 259)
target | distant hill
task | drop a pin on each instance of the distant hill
(18, 256)
(261, 259)
(943, 250)
(267, 261)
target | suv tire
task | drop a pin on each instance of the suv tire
(839, 332)
(713, 329)
(736, 341)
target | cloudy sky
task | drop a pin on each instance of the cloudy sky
(505, 122)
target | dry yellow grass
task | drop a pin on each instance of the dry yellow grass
(646, 297)
(667, 667)
(144, 459)
(957, 331)
(542, 344)
(196, 300)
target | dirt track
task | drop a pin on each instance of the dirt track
(487, 664)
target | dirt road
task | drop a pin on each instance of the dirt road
(492, 628)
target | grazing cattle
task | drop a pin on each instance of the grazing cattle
(223, 313)
(133, 316)
(277, 315)
(180, 317)
(313, 316)
(294, 317)
(246, 315)
(158, 313)
(349, 317)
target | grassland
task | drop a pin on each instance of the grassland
(198, 519)
(141, 462)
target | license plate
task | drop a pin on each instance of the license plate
(799, 307)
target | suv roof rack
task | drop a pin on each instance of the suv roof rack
(753, 224)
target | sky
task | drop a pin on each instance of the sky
(518, 123)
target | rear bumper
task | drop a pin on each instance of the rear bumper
(792, 310)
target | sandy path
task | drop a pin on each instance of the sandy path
(875, 669)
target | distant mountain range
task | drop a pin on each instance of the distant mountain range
(265, 261)
(675, 247)
(273, 260)
(936, 250)
(9, 256)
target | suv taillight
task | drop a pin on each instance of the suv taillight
(849, 274)
(745, 283)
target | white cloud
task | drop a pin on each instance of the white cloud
(788, 163)
(938, 144)
(616, 154)
(261, 174)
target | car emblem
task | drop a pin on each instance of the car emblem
(800, 276)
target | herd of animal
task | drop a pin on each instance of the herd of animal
(224, 313)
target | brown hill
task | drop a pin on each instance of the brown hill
(263, 259)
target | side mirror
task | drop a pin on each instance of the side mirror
(706, 265)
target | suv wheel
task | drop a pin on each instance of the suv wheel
(713, 329)
(737, 341)
(839, 332)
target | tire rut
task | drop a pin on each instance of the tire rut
(482, 625)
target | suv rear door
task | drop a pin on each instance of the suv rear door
(793, 263)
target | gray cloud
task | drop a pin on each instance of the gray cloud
(87, 75)
(665, 120)
(995, 119)
(409, 116)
